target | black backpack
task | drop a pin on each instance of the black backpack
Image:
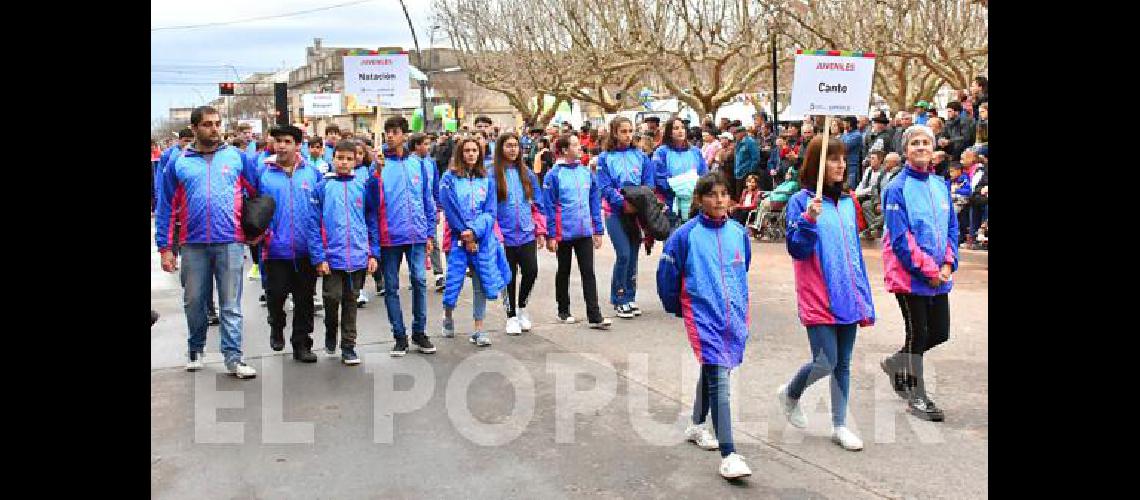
(256, 214)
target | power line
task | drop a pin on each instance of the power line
(261, 18)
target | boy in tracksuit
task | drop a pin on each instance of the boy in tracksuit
(340, 249)
(420, 145)
(572, 202)
(401, 217)
(285, 249)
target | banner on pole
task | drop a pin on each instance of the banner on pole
(377, 78)
(832, 82)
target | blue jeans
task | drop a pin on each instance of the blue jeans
(479, 299)
(203, 263)
(832, 345)
(977, 215)
(415, 254)
(712, 396)
(623, 284)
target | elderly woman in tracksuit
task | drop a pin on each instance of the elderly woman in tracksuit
(467, 194)
(920, 254)
(833, 295)
(703, 277)
(621, 165)
(522, 224)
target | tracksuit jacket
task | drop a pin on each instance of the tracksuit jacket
(204, 196)
(669, 162)
(703, 278)
(620, 168)
(469, 203)
(399, 203)
(293, 225)
(572, 200)
(342, 237)
(520, 220)
(831, 277)
(920, 232)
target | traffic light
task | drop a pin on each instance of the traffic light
(281, 102)
(226, 88)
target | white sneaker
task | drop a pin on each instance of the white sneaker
(847, 439)
(318, 303)
(242, 370)
(568, 320)
(361, 298)
(194, 361)
(702, 437)
(636, 310)
(513, 327)
(791, 408)
(288, 304)
(733, 466)
(524, 320)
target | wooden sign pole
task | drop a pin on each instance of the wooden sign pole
(822, 159)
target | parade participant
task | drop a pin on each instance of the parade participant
(203, 190)
(572, 202)
(467, 194)
(316, 157)
(340, 250)
(401, 215)
(523, 225)
(677, 166)
(713, 251)
(332, 136)
(421, 144)
(832, 291)
(621, 165)
(285, 248)
(920, 254)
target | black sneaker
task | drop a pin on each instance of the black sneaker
(901, 381)
(400, 348)
(922, 407)
(602, 324)
(330, 345)
(153, 317)
(567, 318)
(439, 284)
(277, 340)
(633, 307)
(624, 311)
(212, 318)
(263, 301)
(303, 354)
(422, 343)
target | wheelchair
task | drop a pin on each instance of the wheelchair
(771, 222)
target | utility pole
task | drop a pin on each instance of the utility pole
(419, 62)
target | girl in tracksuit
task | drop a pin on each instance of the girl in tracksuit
(677, 164)
(340, 250)
(467, 194)
(703, 278)
(622, 164)
(833, 295)
(920, 254)
(523, 226)
(572, 203)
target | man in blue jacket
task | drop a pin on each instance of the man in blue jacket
(203, 190)
(285, 258)
(747, 159)
(853, 143)
(401, 215)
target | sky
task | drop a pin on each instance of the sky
(188, 64)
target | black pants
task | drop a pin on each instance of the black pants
(584, 249)
(526, 257)
(340, 291)
(255, 253)
(927, 323)
(296, 277)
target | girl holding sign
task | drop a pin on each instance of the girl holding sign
(832, 292)
(678, 165)
(920, 253)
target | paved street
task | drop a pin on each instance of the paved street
(319, 431)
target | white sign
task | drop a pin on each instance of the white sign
(377, 79)
(255, 125)
(832, 83)
(322, 104)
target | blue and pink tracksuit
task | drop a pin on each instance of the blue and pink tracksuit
(572, 202)
(342, 237)
(520, 220)
(205, 196)
(831, 277)
(617, 169)
(703, 278)
(469, 203)
(670, 161)
(920, 232)
(293, 225)
(399, 202)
